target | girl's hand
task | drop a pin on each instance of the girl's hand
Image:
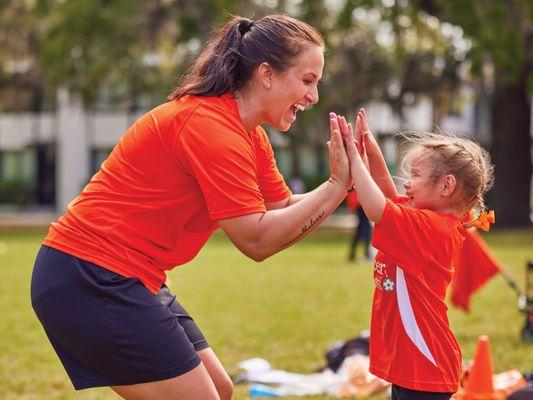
(368, 141)
(339, 165)
(361, 129)
(373, 158)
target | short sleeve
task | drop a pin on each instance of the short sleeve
(408, 235)
(222, 159)
(271, 182)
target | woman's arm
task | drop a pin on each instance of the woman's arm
(289, 201)
(261, 235)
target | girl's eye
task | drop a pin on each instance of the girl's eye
(307, 82)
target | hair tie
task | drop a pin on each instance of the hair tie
(483, 221)
(245, 26)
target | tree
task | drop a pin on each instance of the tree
(21, 75)
(90, 44)
(502, 35)
(357, 69)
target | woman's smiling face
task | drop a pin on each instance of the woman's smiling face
(295, 89)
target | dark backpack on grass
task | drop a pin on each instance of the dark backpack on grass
(337, 353)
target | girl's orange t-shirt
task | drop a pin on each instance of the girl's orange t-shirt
(411, 342)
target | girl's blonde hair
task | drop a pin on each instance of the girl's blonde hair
(463, 158)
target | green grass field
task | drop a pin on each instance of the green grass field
(288, 309)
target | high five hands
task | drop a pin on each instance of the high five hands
(362, 149)
(355, 143)
(339, 164)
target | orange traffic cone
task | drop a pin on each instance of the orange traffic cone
(479, 384)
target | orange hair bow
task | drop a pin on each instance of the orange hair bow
(483, 221)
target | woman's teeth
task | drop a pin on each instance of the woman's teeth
(294, 109)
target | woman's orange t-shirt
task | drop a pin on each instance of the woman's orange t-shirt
(157, 198)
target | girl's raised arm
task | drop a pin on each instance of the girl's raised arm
(370, 195)
(376, 162)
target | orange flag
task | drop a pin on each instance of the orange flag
(476, 266)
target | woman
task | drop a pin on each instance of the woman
(195, 163)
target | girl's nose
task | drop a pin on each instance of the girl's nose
(407, 185)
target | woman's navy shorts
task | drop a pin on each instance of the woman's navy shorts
(109, 330)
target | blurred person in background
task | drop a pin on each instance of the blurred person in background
(195, 163)
(363, 229)
(297, 185)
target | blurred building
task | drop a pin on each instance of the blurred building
(47, 158)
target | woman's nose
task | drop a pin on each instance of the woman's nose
(407, 185)
(312, 95)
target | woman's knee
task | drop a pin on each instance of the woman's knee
(218, 374)
(225, 388)
(193, 385)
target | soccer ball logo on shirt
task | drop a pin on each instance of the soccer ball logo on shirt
(380, 272)
(388, 285)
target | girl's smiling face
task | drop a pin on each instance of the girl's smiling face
(295, 89)
(422, 187)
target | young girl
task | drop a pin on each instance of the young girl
(419, 237)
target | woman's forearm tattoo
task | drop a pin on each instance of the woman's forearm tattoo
(306, 228)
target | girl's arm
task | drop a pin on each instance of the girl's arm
(377, 165)
(370, 195)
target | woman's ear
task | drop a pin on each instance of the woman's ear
(265, 72)
(448, 185)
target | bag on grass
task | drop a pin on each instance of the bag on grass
(338, 352)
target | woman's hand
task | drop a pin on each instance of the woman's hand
(339, 164)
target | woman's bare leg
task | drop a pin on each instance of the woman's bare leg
(218, 374)
(193, 385)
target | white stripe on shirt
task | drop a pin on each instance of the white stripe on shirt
(408, 316)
